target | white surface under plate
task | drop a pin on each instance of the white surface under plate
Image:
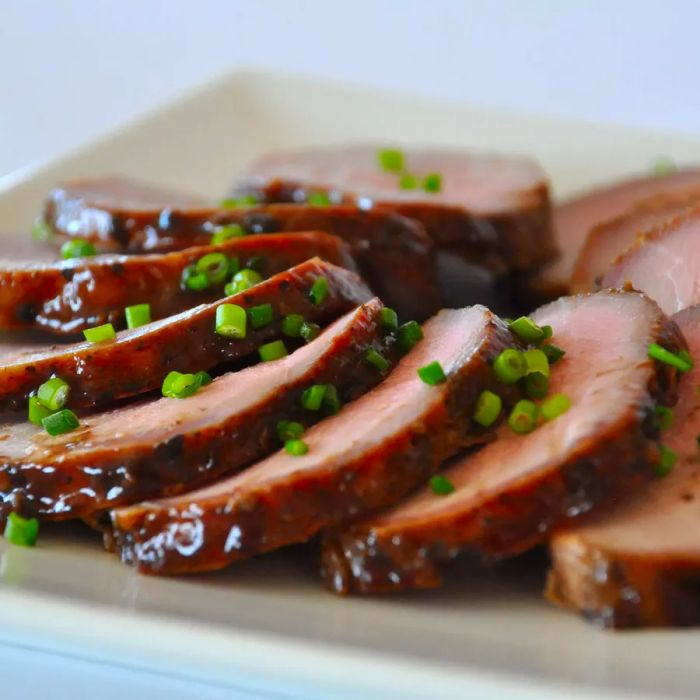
(267, 626)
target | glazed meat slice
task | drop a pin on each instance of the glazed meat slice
(576, 218)
(663, 263)
(369, 455)
(489, 210)
(513, 492)
(71, 295)
(638, 564)
(608, 241)
(164, 446)
(186, 342)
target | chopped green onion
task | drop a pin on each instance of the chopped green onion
(441, 485)
(537, 362)
(555, 406)
(226, 233)
(37, 411)
(331, 403)
(244, 279)
(214, 266)
(390, 318)
(318, 199)
(247, 200)
(682, 364)
(432, 373)
(390, 159)
(296, 448)
(378, 360)
(231, 321)
(510, 366)
(77, 248)
(667, 461)
(291, 325)
(177, 385)
(527, 330)
(553, 352)
(663, 165)
(260, 316)
(407, 181)
(536, 385)
(273, 351)
(203, 378)
(21, 531)
(289, 430)
(685, 355)
(319, 290)
(257, 263)
(41, 231)
(59, 423)
(53, 393)
(548, 332)
(488, 408)
(100, 334)
(193, 280)
(523, 417)
(309, 331)
(234, 266)
(663, 417)
(432, 182)
(137, 315)
(408, 335)
(312, 398)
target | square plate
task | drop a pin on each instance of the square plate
(267, 625)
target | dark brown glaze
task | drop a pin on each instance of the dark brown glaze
(511, 494)
(371, 454)
(164, 446)
(638, 564)
(71, 295)
(185, 342)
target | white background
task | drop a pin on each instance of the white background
(71, 70)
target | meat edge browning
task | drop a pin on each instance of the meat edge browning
(147, 537)
(591, 477)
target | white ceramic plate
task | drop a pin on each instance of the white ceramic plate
(267, 626)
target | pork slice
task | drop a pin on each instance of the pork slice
(72, 295)
(164, 446)
(575, 218)
(490, 210)
(509, 495)
(186, 342)
(637, 564)
(369, 455)
(664, 263)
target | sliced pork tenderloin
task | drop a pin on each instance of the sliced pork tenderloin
(371, 454)
(509, 495)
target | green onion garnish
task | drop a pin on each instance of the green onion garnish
(291, 325)
(441, 485)
(318, 199)
(663, 165)
(681, 363)
(407, 181)
(667, 461)
(61, 422)
(231, 321)
(53, 393)
(247, 200)
(289, 430)
(36, 411)
(536, 385)
(177, 385)
(331, 403)
(527, 330)
(77, 248)
(203, 378)
(553, 352)
(488, 408)
(523, 417)
(41, 231)
(548, 332)
(510, 366)
(537, 362)
(257, 263)
(242, 280)
(234, 266)
(296, 448)
(137, 315)
(555, 406)
(193, 280)
(309, 331)
(100, 334)
(377, 359)
(214, 266)
(21, 531)
(663, 417)
(272, 351)
(319, 290)
(408, 335)
(391, 160)
(226, 233)
(260, 316)
(312, 398)
(390, 318)
(432, 182)
(432, 373)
